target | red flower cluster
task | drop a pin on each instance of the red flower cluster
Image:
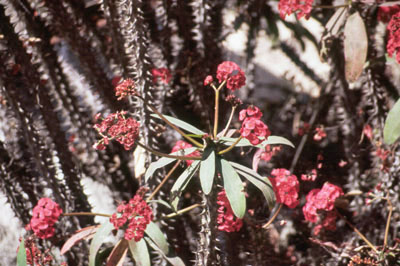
(286, 187)
(33, 255)
(287, 7)
(44, 215)
(125, 88)
(116, 126)
(393, 45)
(136, 214)
(320, 133)
(208, 80)
(181, 145)
(252, 126)
(226, 220)
(161, 73)
(322, 200)
(386, 12)
(231, 72)
(267, 154)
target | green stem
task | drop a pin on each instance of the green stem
(216, 109)
(230, 147)
(85, 214)
(273, 217)
(195, 142)
(229, 121)
(164, 180)
(327, 6)
(358, 232)
(183, 158)
(387, 223)
(181, 211)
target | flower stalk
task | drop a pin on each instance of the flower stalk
(85, 214)
(265, 226)
(164, 180)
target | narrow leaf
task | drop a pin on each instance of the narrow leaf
(174, 261)
(391, 131)
(270, 140)
(262, 183)
(155, 234)
(182, 124)
(336, 21)
(355, 47)
(118, 254)
(98, 239)
(233, 188)
(21, 256)
(165, 161)
(181, 183)
(139, 252)
(84, 233)
(207, 170)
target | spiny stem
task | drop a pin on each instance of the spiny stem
(181, 211)
(387, 223)
(195, 142)
(183, 158)
(85, 214)
(358, 232)
(273, 217)
(229, 121)
(164, 180)
(230, 147)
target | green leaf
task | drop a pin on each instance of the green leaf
(182, 124)
(391, 131)
(262, 183)
(233, 188)
(245, 142)
(181, 183)
(165, 161)
(207, 170)
(21, 256)
(162, 202)
(98, 240)
(174, 261)
(155, 234)
(355, 47)
(139, 252)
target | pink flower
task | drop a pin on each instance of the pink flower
(303, 7)
(252, 127)
(226, 219)
(267, 154)
(386, 12)
(136, 214)
(125, 88)
(286, 187)
(161, 73)
(393, 43)
(231, 72)
(44, 215)
(181, 145)
(325, 199)
(368, 131)
(320, 134)
(33, 254)
(208, 80)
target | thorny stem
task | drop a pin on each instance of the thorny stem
(387, 223)
(168, 155)
(164, 180)
(358, 232)
(230, 147)
(229, 121)
(273, 217)
(85, 214)
(181, 211)
(195, 142)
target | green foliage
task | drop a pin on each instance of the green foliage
(246, 143)
(139, 252)
(391, 131)
(21, 256)
(157, 236)
(182, 124)
(98, 240)
(207, 170)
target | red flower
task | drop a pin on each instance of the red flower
(368, 131)
(136, 214)
(325, 199)
(309, 209)
(33, 254)
(125, 88)
(267, 154)
(287, 7)
(44, 215)
(386, 12)
(161, 73)
(286, 187)
(252, 127)
(393, 43)
(116, 126)
(231, 72)
(321, 134)
(208, 80)
(226, 219)
(181, 145)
